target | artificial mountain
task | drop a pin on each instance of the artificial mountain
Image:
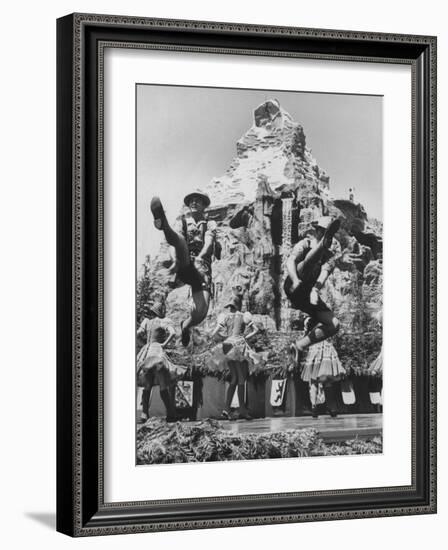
(268, 197)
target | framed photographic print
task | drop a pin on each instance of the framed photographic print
(246, 274)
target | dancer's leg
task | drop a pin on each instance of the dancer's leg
(167, 394)
(243, 375)
(231, 389)
(166, 397)
(313, 394)
(198, 276)
(328, 326)
(146, 396)
(313, 399)
(199, 309)
(306, 266)
(242, 398)
(330, 400)
(173, 238)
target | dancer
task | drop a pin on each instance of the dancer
(238, 356)
(375, 371)
(309, 265)
(154, 368)
(321, 369)
(194, 241)
(376, 367)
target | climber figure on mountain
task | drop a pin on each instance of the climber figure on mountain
(194, 240)
(309, 265)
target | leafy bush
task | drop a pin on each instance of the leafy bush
(357, 350)
(161, 443)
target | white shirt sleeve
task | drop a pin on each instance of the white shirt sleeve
(211, 229)
(249, 321)
(144, 327)
(222, 320)
(247, 318)
(166, 323)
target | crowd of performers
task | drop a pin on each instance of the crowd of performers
(194, 243)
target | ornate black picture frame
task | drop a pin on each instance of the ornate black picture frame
(81, 509)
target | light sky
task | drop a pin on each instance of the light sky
(187, 135)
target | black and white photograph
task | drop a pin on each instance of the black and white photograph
(259, 295)
(219, 220)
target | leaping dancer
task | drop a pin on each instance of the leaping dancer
(309, 266)
(193, 239)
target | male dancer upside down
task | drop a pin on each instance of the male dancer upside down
(194, 242)
(309, 265)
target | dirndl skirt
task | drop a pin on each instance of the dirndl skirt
(322, 364)
(236, 348)
(376, 367)
(153, 356)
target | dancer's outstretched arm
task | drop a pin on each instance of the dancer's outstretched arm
(324, 274)
(220, 326)
(326, 270)
(207, 248)
(209, 239)
(171, 335)
(141, 331)
(252, 326)
(291, 264)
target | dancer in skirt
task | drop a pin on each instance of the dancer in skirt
(154, 367)
(236, 353)
(321, 369)
(194, 242)
(375, 370)
(309, 265)
(376, 367)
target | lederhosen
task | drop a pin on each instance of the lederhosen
(198, 274)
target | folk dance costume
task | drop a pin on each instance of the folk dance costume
(236, 354)
(310, 263)
(154, 367)
(308, 260)
(198, 273)
(376, 367)
(375, 371)
(321, 368)
(322, 364)
(194, 241)
(235, 346)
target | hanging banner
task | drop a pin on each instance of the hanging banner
(184, 394)
(348, 393)
(278, 388)
(375, 398)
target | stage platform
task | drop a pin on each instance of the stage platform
(341, 428)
